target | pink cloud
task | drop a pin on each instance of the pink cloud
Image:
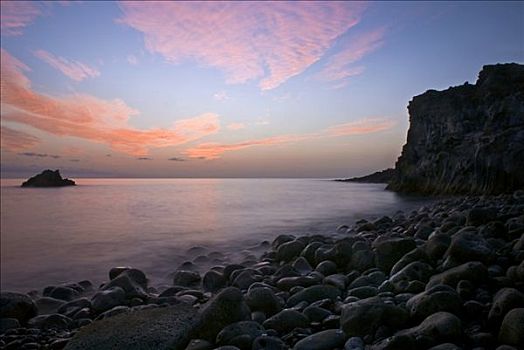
(16, 15)
(361, 127)
(236, 126)
(73, 69)
(339, 66)
(15, 141)
(88, 117)
(271, 41)
(131, 59)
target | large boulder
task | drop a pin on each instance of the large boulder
(227, 307)
(158, 328)
(512, 328)
(363, 317)
(438, 298)
(473, 271)
(48, 178)
(389, 250)
(18, 306)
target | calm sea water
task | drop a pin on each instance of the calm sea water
(57, 235)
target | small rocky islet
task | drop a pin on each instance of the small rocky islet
(447, 276)
(48, 178)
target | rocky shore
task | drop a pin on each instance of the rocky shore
(448, 276)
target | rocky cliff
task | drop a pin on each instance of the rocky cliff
(466, 139)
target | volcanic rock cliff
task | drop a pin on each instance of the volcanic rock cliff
(467, 139)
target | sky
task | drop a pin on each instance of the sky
(232, 89)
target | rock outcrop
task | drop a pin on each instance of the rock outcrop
(467, 139)
(383, 176)
(48, 178)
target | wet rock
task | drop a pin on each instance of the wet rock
(512, 328)
(314, 293)
(435, 329)
(159, 328)
(74, 306)
(437, 298)
(480, 216)
(186, 278)
(505, 300)
(337, 280)
(117, 310)
(48, 305)
(62, 293)
(18, 306)
(286, 320)
(473, 271)
(416, 255)
(389, 250)
(289, 250)
(437, 245)
(324, 340)
(52, 321)
(316, 314)
(287, 283)
(302, 266)
(265, 342)
(363, 317)
(363, 292)
(445, 346)
(416, 270)
(354, 343)
(469, 245)
(240, 334)
(263, 299)
(199, 344)
(8, 323)
(132, 281)
(108, 299)
(213, 281)
(326, 267)
(227, 307)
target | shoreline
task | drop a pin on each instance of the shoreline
(445, 264)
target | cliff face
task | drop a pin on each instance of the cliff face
(466, 139)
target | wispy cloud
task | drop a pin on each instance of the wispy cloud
(221, 96)
(177, 159)
(14, 141)
(39, 155)
(144, 158)
(271, 41)
(89, 117)
(211, 150)
(236, 126)
(73, 69)
(16, 15)
(340, 65)
(131, 59)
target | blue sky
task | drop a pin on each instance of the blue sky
(232, 89)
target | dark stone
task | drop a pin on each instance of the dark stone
(286, 320)
(438, 298)
(8, 323)
(512, 328)
(473, 271)
(16, 305)
(229, 335)
(265, 342)
(52, 321)
(314, 293)
(48, 178)
(324, 340)
(186, 278)
(227, 307)
(213, 281)
(263, 299)
(159, 328)
(108, 299)
(389, 250)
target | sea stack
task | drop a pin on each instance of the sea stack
(48, 178)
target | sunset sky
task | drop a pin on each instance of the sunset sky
(240, 89)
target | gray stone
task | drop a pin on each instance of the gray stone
(186, 278)
(250, 328)
(48, 305)
(225, 308)
(505, 300)
(263, 299)
(314, 293)
(324, 340)
(213, 281)
(473, 271)
(512, 328)
(437, 328)
(52, 321)
(16, 305)
(286, 320)
(363, 317)
(265, 342)
(354, 343)
(438, 298)
(468, 245)
(289, 250)
(108, 299)
(160, 328)
(416, 270)
(389, 250)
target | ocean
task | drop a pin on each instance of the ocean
(57, 235)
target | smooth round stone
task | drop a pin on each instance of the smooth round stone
(324, 340)
(286, 320)
(354, 343)
(186, 278)
(512, 328)
(18, 306)
(199, 344)
(266, 342)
